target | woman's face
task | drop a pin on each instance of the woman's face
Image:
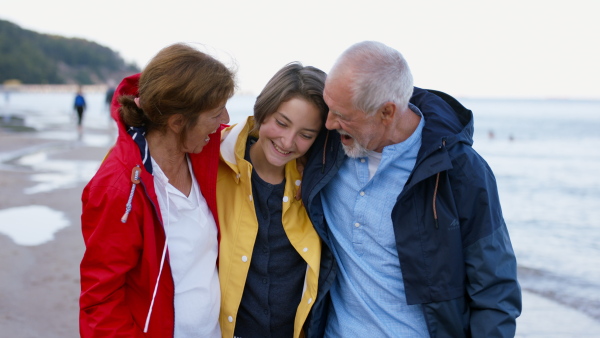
(207, 123)
(289, 132)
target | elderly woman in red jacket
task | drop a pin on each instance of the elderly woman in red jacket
(149, 214)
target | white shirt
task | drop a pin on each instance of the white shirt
(193, 250)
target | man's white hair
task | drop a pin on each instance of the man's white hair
(378, 74)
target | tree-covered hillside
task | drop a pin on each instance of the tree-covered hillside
(34, 58)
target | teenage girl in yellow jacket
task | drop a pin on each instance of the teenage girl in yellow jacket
(270, 253)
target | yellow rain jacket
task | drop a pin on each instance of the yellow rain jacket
(239, 228)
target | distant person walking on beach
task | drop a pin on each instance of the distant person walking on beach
(79, 106)
(110, 92)
(108, 97)
(415, 244)
(149, 214)
(270, 253)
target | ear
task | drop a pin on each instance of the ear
(388, 112)
(175, 123)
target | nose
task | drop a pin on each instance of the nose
(287, 140)
(225, 117)
(332, 122)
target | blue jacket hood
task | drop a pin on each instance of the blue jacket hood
(457, 126)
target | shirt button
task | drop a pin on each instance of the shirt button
(244, 259)
(309, 300)
(355, 224)
(285, 198)
(362, 193)
(230, 319)
(305, 249)
(264, 281)
(266, 312)
(250, 197)
(298, 182)
(362, 160)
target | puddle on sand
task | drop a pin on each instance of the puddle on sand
(56, 174)
(87, 139)
(31, 225)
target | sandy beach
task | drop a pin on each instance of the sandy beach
(39, 288)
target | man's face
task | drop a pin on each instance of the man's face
(359, 132)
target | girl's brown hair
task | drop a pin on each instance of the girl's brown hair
(291, 81)
(178, 80)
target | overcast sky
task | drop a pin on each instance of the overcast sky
(509, 49)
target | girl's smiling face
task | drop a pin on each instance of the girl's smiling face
(289, 132)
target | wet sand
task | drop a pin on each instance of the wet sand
(39, 287)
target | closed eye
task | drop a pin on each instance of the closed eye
(338, 114)
(220, 113)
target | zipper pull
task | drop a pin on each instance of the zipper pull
(135, 180)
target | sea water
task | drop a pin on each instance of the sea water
(544, 154)
(546, 160)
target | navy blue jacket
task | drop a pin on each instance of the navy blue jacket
(456, 256)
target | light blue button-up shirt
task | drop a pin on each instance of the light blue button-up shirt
(368, 296)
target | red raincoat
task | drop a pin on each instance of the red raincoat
(121, 264)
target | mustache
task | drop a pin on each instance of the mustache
(343, 132)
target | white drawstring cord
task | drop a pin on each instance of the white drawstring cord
(162, 262)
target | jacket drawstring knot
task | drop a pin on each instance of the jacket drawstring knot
(135, 180)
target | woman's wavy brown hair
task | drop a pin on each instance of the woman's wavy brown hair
(178, 80)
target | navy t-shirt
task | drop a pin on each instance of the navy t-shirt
(275, 280)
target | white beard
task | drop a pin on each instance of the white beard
(356, 150)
